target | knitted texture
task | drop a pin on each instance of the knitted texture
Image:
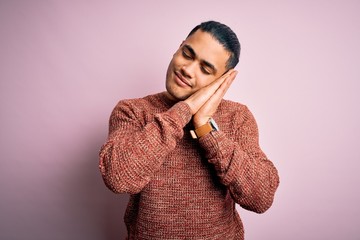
(181, 188)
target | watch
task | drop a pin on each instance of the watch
(204, 129)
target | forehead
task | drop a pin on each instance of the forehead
(207, 48)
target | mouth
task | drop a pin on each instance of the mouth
(181, 80)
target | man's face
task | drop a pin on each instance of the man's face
(199, 61)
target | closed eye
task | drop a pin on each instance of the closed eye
(205, 70)
(186, 53)
(206, 67)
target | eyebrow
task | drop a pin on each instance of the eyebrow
(193, 54)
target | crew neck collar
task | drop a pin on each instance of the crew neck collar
(168, 102)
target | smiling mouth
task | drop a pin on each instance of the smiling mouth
(183, 80)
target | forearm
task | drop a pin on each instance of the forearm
(250, 177)
(133, 152)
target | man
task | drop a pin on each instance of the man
(184, 172)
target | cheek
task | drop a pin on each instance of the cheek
(177, 55)
(203, 81)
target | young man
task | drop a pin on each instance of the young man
(184, 171)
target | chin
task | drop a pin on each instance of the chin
(176, 94)
(174, 91)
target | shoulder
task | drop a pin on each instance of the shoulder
(235, 113)
(237, 120)
(233, 108)
(136, 110)
(137, 104)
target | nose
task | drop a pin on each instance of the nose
(188, 70)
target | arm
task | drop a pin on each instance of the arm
(134, 150)
(242, 166)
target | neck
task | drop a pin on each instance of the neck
(169, 97)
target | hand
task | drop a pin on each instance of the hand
(204, 102)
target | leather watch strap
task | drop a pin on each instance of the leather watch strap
(203, 130)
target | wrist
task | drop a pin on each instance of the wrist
(204, 129)
(198, 122)
(191, 106)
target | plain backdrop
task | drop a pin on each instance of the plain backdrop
(65, 64)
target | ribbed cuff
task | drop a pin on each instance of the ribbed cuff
(220, 152)
(210, 143)
(180, 113)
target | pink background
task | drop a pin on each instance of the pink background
(65, 64)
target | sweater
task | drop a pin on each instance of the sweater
(184, 188)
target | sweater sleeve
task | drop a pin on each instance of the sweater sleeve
(135, 150)
(242, 167)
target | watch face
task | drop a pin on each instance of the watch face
(213, 124)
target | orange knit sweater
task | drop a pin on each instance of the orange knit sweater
(183, 188)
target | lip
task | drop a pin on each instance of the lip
(181, 80)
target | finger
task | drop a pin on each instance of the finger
(224, 77)
(212, 88)
(197, 99)
(220, 92)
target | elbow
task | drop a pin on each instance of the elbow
(267, 194)
(115, 187)
(257, 205)
(259, 200)
(262, 206)
(120, 184)
(266, 198)
(117, 179)
(121, 181)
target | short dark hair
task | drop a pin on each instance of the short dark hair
(225, 36)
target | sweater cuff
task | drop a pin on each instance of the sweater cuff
(210, 143)
(219, 152)
(180, 113)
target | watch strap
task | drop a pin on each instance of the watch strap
(204, 129)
